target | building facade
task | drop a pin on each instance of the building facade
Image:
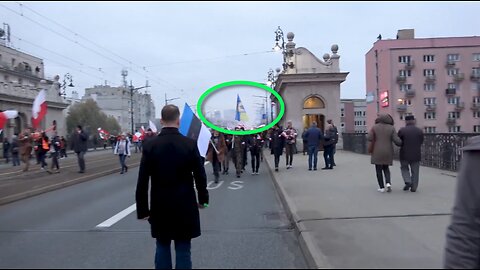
(115, 101)
(353, 116)
(310, 87)
(437, 80)
(22, 76)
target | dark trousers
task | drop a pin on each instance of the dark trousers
(226, 161)
(42, 155)
(255, 160)
(312, 157)
(237, 158)
(328, 156)
(15, 159)
(289, 150)
(217, 166)
(55, 160)
(122, 159)
(183, 255)
(277, 159)
(81, 161)
(63, 153)
(382, 169)
(410, 173)
(6, 155)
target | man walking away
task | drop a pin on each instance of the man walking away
(172, 163)
(410, 153)
(277, 143)
(313, 136)
(80, 147)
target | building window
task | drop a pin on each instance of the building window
(453, 100)
(476, 114)
(313, 103)
(405, 73)
(453, 129)
(429, 87)
(476, 71)
(342, 112)
(429, 101)
(452, 86)
(476, 57)
(476, 100)
(364, 123)
(476, 128)
(429, 72)
(430, 129)
(405, 87)
(453, 115)
(430, 116)
(429, 58)
(453, 57)
(404, 59)
(364, 113)
(403, 115)
(13, 63)
(452, 71)
(407, 102)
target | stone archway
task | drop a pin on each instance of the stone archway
(313, 111)
(313, 102)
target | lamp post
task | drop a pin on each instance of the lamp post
(67, 81)
(167, 100)
(281, 46)
(131, 101)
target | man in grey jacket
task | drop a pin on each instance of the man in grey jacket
(80, 147)
(463, 235)
(410, 153)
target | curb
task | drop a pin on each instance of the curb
(313, 255)
(32, 193)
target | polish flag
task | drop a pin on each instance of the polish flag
(39, 109)
(5, 115)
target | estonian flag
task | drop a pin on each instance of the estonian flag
(241, 114)
(192, 127)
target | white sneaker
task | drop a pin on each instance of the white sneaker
(253, 173)
(389, 187)
(381, 190)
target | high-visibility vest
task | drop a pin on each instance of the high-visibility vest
(45, 145)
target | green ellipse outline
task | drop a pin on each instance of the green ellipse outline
(234, 83)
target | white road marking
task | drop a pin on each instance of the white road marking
(111, 221)
(215, 187)
(236, 185)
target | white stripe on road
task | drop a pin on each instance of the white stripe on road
(109, 222)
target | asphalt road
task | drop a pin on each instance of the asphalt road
(244, 227)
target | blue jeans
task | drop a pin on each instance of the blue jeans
(122, 161)
(312, 153)
(163, 255)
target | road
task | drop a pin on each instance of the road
(244, 227)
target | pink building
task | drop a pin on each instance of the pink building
(435, 79)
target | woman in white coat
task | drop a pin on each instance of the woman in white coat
(122, 149)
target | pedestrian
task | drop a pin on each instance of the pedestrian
(255, 144)
(26, 148)
(136, 138)
(335, 131)
(228, 154)
(63, 147)
(329, 141)
(381, 138)
(14, 149)
(217, 149)
(95, 142)
(55, 147)
(410, 153)
(290, 135)
(44, 148)
(313, 136)
(462, 249)
(277, 143)
(6, 150)
(173, 165)
(122, 149)
(80, 147)
(113, 141)
(148, 135)
(238, 146)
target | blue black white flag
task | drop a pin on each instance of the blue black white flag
(241, 114)
(192, 127)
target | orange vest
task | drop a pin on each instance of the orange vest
(45, 145)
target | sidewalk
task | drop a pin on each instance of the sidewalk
(343, 222)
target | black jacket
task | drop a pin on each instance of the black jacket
(79, 142)
(412, 140)
(168, 161)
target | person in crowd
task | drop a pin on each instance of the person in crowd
(238, 146)
(290, 135)
(44, 148)
(217, 149)
(228, 153)
(313, 136)
(410, 153)
(334, 130)
(80, 147)
(170, 165)
(329, 142)
(63, 147)
(15, 150)
(122, 149)
(277, 144)
(26, 148)
(255, 145)
(381, 138)
(6, 150)
(55, 147)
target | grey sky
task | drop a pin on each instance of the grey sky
(166, 38)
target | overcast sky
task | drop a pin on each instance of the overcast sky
(188, 47)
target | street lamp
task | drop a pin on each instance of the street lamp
(131, 101)
(67, 81)
(281, 46)
(170, 99)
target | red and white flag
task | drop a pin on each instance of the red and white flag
(39, 109)
(102, 133)
(5, 115)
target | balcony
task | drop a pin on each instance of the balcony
(401, 108)
(458, 77)
(450, 63)
(451, 91)
(409, 65)
(401, 79)
(451, 121)
(475, 76)
(430, 78)
(475, 107)
(431, 107)
(460, 106)
(410, 93)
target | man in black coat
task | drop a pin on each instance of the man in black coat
(410, 153)
(80, 147)
(277, 144)
(172, 163)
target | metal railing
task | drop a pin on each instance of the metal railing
(439, 150)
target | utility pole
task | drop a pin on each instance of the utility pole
(131, 102)
(167, 100)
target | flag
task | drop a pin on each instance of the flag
(152, 126)
(102, 133)
(241, 114)
(39, 109)
(192, 127)
(5, 115)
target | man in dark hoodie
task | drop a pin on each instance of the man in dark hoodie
(410, 153)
